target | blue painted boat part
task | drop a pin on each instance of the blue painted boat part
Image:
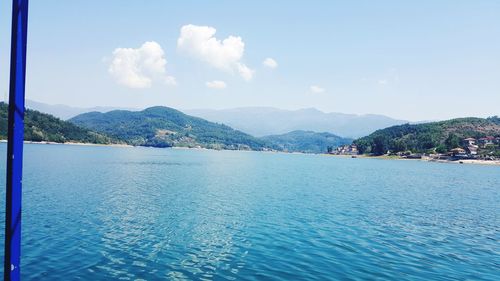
(12, 256)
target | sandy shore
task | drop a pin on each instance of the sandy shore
(385, 157)
(468, 161)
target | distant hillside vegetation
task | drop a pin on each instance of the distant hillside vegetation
(44, 127)
(165, 127)
(428, 137)
(305, 141)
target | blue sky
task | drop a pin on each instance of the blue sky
(424, 60)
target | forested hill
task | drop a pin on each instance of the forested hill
(428, 137)
(44, 127)
(164, 127)
(305, 141)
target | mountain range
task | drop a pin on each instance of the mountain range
(262, 121)
(158, 127)
(165, 127)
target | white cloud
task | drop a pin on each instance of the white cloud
(382, 82)
(216, 84)
(245, 72)
(137, 68)
(269, 62)
(317, 89)
(200, 43)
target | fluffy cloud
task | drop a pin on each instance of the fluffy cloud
(317, 89)
(200, 43)
(137, 68)
(216, 84)
(269, 62)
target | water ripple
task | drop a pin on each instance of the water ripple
(155, 214)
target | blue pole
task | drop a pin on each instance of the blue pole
(12, 268)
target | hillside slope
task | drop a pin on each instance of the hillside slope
(44, 127)
(164, 127)
(305, 141)
(439, 136)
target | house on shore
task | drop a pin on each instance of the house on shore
(470, 141)
(470, 146)
(489, 140)
(346, 150)
(471, 150)
(458, 152)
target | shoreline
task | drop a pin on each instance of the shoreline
(382, 157)
(464, 161)
(468, 161)
(73, 143)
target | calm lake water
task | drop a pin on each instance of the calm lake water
(105, 213)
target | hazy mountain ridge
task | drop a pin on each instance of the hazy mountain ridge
(262, 121)
(258, 121)
(66, 112)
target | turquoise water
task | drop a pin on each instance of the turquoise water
(106, 213)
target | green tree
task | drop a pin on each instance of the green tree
(380, 145)
(441, 148)
(452, 141)
(399, 145)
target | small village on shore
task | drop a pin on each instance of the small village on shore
(471, 149)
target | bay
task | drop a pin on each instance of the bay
(107, 213)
